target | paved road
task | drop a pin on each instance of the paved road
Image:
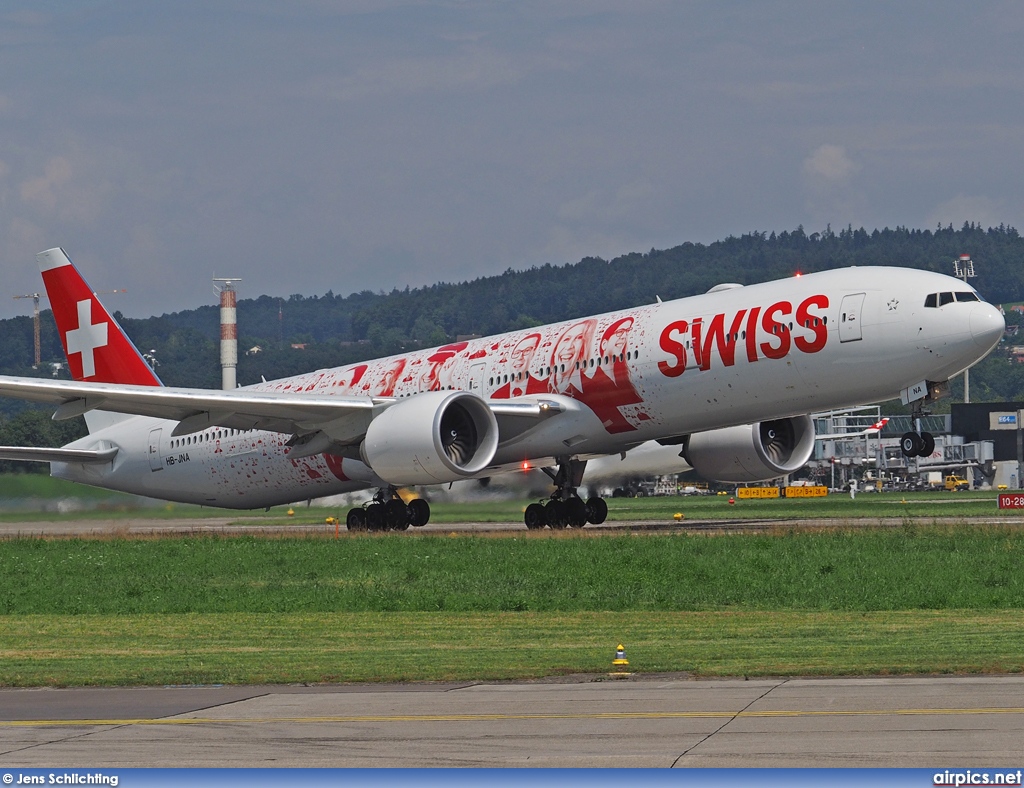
(640, 722)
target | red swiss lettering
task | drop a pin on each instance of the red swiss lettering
(813, 322)
(726, 343)
(674, 348)
(752, 334)
(777, 329)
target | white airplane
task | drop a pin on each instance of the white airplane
(728, 376)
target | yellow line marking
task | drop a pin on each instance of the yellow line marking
(638, 715)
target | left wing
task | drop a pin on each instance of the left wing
(342, 420)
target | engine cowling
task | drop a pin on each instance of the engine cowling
(430, 438)
(752, 452)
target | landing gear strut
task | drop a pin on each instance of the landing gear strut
(565, 507)
(388, 512)
(917, 444)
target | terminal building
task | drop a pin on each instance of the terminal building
(998, 424)
(848, 450)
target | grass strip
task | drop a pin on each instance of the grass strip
(790, 569)
(386, 647)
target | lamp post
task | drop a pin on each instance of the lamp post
(963, 268)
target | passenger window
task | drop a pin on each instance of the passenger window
(945, 298)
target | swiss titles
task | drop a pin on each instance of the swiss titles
(759, 332)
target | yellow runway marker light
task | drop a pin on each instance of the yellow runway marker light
(620, 664)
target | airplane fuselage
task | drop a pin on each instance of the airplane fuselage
(739, 355)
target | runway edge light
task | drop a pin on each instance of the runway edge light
(620, 664)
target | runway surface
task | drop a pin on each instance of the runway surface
(590, 722)
(63, 526)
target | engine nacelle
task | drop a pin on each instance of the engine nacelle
(752, 452)
(430, 438)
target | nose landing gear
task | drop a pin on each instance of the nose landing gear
(917, 444)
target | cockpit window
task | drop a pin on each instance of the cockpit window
(933, 300)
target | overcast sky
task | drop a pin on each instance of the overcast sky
(312, 145)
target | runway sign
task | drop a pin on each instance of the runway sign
(806, 492)
(1011, 500)
(757, 492)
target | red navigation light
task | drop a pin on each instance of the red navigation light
(526, 465)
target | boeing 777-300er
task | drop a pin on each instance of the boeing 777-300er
(729, 377)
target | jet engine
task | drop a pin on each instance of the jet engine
(751, 452)
(430, 438)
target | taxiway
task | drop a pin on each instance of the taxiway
(645, 721)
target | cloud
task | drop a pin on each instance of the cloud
(967, 208)
(42, 192)
(600, 206)
(829, 163)
(472, 70)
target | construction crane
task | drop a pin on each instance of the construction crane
(35, 319)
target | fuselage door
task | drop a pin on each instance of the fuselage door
(849, 317)
(155, 460)
(476, 377)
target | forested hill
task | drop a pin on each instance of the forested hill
(341, 329)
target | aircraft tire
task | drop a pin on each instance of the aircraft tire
(396, 515)
(927, 444)
(356, 520)
(418, 512)
(911, 444)
(554, 512)
(597, 511)
(534, 517)
(576, 512)
(375, 517)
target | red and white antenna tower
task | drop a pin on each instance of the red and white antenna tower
(228, 330)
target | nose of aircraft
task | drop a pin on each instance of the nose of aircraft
(987, 325)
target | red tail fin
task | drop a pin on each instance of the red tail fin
(96, 347)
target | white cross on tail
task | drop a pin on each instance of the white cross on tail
(86, 338)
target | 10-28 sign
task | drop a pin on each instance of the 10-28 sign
(1011, 500)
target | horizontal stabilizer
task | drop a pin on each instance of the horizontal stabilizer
(35, 454)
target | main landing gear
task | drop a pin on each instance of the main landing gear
(388, 512)
(565, 507)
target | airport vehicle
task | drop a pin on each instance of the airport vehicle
(728, 377)
(954, 483)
